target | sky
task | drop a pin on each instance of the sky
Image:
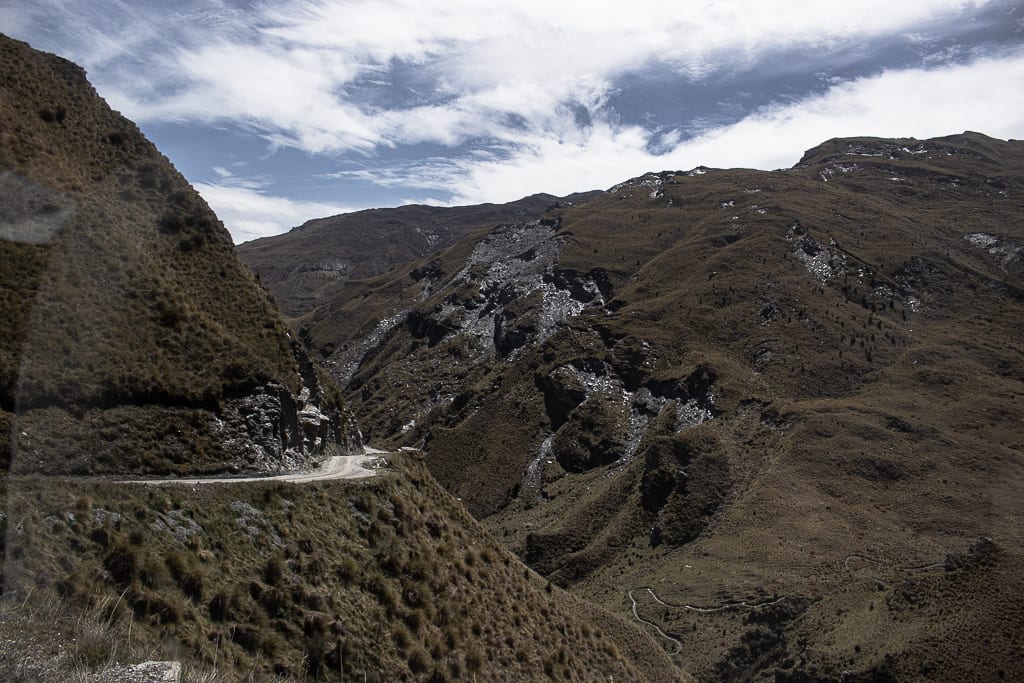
(283, 111)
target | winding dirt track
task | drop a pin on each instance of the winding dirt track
(732, 604)
(927, 567)
(336, 467)
(740, 604)
(636, 615)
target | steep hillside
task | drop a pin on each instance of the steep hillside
(791, 399)
(309, 265)
(134, 342)
(133, 338)
(388, 578)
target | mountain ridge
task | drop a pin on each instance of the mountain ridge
(103, 237)
(760, 375)
(370, 242)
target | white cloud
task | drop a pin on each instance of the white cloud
(981, 96)
(484, 43)
(282, 69)
(523, 89)
(285, 93)
(984, 96)
(250, 213)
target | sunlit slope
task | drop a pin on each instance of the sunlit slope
(130, 327)
(762, 376)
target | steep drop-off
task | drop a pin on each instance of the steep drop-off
(388, 579)
(791, 398)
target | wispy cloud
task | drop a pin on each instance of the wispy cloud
(922, 103)
(513, 97)
(909, 103)
(13, 18)
(250, 211)
(283, 70)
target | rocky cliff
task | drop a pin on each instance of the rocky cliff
(133, 339)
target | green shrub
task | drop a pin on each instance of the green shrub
(158, 607)
(93, 647)
(277, 601)
(348, 570)
(154, 573)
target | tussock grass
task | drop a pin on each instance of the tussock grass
(338, 577)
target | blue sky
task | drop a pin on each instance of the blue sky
(283, 111)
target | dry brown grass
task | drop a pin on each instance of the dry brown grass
(874, 411)
(301, 581)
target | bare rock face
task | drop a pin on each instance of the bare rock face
(264, 429)
(508, 294)
(370, 243)
(273, 429)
